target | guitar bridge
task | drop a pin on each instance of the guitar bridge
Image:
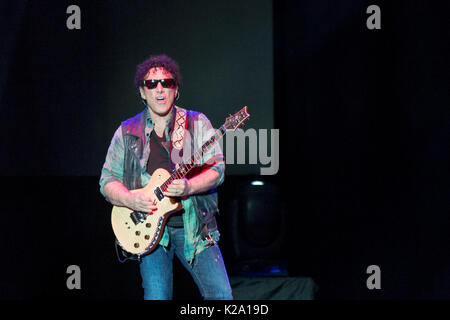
(137, 217)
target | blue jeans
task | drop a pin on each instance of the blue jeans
(207, 270)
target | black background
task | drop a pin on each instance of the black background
(364, 128)
(72, 88)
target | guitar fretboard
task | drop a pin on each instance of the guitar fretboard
(196, 158)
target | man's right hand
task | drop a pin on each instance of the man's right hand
(140, 202)
(120, 196)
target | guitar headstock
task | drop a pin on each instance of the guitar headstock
(234, 121)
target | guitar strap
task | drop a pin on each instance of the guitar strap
(180, 127)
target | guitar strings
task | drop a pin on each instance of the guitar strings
(185, 168)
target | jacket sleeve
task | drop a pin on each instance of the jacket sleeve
(214, 158)
(113, 167)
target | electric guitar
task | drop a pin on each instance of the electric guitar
(139, 233)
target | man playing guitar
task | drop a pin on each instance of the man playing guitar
(148, 141)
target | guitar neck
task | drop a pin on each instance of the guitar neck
(196, 158)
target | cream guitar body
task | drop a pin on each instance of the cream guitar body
(139, 233)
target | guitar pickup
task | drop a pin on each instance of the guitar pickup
(137, 217)
(159, 194)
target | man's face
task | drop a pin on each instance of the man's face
(159, 99)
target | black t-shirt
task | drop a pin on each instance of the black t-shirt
(159, 158)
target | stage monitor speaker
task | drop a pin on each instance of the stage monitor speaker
(257, 223)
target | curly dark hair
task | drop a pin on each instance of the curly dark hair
(162, 61)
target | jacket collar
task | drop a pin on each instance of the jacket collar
(143, 123)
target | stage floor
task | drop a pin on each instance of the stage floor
(273, 288)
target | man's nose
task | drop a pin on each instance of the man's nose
(159, 87)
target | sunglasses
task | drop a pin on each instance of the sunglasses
(166, 83)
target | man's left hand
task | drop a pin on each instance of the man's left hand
(178, 188)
